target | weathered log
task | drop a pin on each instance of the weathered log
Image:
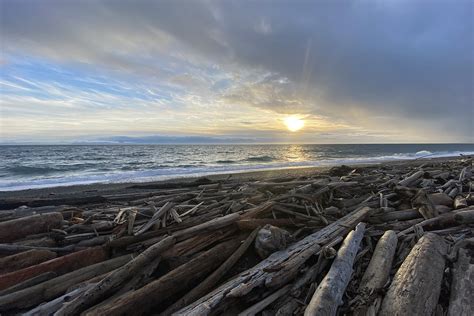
(114, 280)
(394, 216)
(377, 273)
(465, 216)
(251, 224)
(462, 286)
(328, 295)
(411, 179)
(22, 227)
(156, 217)
(441, 199)
(60, 265)
(256, 308)
(29, 283)
(13, 249)
(11, 203)
(207, 226)
(204, 287)
(51, 307)
(24, 260)
(416, 286)
(276, 270)
(53, 288)
(141, 300)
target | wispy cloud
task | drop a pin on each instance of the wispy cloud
(357, 71)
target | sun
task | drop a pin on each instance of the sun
(293, 123)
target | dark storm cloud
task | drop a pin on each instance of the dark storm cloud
(399, 59)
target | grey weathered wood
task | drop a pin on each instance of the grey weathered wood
(377, 273)
(328, 294)
(140, 301)
(461, 302)
(412, 178)
(258, 307)
(416, 286)
(268, 273)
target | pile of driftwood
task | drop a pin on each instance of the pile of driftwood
(394, 239)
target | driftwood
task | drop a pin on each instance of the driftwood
(328, 295)
(60, 265)
(207, 285)
(22, 227)
(24, 260)
(462, 287)
(277, 269)
(377, 274)
(415, 288)
(47, 269)
(113, 281)
(53, 288)
(141, 300)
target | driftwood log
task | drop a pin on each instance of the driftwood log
(328, 295)
(22, 227)
(416, 286)
(461, 301)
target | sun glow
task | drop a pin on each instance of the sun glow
(293, 123)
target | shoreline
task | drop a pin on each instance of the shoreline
(109, 188)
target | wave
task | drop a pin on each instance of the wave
(260, 159)
(180, 171)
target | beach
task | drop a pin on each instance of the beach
(286, 242)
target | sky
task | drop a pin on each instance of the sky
(353, 71)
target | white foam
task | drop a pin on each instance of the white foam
(170, 173)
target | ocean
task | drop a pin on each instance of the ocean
(39, 166)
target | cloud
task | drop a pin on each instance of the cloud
(401, 67)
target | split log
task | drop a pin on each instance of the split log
(53, 288)
(25, 226)
(460, 202)
(114, 280)
(156, 217)
(204, 287)
(424, 204)
(377, 273)
(24, 260)
(462, 286)
(328, 295)
(277, 270)
(59, 265)
(179, 279)
(416, 286)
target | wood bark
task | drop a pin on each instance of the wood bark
(25, 226)
(461, 301)
(24, 260)
(181, 278)
(53, 288)
(328, 294)
(60, 265)
(416, 286)
(113, 281)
